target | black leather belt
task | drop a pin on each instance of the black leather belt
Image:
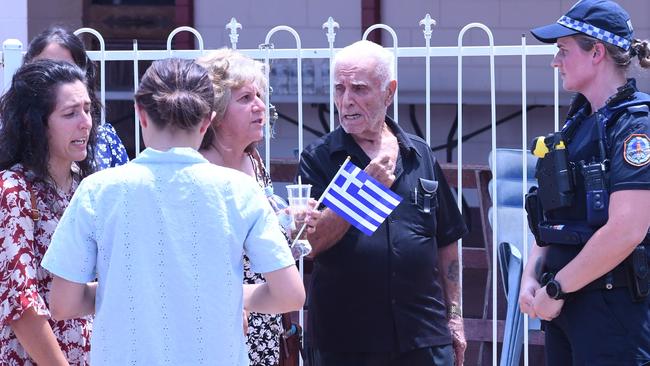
(613, 279)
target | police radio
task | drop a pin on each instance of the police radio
(596, 191)
(554, 172)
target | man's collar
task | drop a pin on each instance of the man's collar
(341, 140)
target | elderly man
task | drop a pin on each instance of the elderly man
(390, 298)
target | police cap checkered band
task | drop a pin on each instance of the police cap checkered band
(595, 32)
(602, 19)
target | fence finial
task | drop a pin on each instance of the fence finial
(427, 22)
(233, 25)
(330, 24)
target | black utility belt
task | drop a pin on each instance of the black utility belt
(563, 234)
(570, 234)
(633, 273)
(615, 279)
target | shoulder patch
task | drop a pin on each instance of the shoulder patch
(637, 150)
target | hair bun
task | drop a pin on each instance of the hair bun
(182, 107)
(176, 93)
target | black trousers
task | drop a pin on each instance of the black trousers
(600, 328)
(429, 356)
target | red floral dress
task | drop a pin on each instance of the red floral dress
(23, 282)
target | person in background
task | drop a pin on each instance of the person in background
(164, 236)
(58, 43)
(240, 83)
(587, 277)
(391, 298)
(46, 148)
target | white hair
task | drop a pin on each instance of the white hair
(362, 50)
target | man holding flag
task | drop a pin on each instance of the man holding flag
(385, 286)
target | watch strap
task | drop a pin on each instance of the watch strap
(454, 310)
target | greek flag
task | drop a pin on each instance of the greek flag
(360, 199)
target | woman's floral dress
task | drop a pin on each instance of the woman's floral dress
(24, 283)
(263, 329)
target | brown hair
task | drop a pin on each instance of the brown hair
(230, 70)
(621, 58)
(176, 93)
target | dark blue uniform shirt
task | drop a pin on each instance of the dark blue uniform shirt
(602, 325)
(624, 174)
(381, 293)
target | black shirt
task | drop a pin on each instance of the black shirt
(381, 293)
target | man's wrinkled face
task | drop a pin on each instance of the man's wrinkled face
(359, 96)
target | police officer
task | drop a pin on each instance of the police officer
(587, 277)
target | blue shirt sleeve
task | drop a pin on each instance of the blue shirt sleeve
(630, 153)
(109, 151)
(264, 242)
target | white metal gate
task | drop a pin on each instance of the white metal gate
(12, 53)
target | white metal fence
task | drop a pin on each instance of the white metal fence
(12, 53)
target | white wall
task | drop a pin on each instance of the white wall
(258, 17)
(508, 20)
(13, 23)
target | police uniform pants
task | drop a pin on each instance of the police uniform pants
(598, 328)
(428, 356)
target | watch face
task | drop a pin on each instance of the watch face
(553, 289)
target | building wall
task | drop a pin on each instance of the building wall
(44, 13)
(13, 24)
(507, 19)
(259, 17)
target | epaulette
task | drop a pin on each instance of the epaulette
(639, 108)
(638, 102)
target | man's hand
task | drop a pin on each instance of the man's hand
(527, 291)
(545, 307)
(458, 338)
(309, 216)
(312, 216)
(382, 168)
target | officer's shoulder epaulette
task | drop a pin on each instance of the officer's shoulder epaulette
(639, 108)
(639, 103)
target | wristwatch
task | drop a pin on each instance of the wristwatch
(453, 310)
(554, 290)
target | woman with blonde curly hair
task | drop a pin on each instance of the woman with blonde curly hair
(239, 84)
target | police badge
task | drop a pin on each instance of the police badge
(637, 150)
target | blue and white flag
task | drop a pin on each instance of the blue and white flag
(359, 198)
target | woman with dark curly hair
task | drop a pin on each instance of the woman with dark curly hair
(57, 43)
(47, 137)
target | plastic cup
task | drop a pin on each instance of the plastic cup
(298, 195)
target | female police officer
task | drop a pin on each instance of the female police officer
(587, 276)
